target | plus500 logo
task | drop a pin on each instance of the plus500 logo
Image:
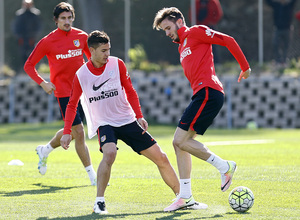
(104, 95)
(71, 53)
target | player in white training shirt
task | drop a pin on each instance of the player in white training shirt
(113, 112)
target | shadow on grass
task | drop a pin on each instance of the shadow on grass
(142, 215)
(238, 213)
(44, 190)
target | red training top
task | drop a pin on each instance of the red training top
(131, 94)
(196, 56)
(64, 51)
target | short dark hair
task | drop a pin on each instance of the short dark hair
(62, 7)
(97, 37)
(172, 14)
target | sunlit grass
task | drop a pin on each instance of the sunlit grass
(136, 190)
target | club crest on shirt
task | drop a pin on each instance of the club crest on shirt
(112, 73)
(185, 42)
(76, 43)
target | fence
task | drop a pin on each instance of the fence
(270, 102)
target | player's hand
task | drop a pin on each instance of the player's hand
(48, 87)
(65, 141)
(244, 75)
(144, 124)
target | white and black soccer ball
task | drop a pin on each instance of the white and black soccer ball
(241, 199)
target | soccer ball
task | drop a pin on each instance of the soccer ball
(241, 199)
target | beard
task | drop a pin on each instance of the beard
(177, 37)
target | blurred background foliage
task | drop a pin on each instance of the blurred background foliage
(151, 50)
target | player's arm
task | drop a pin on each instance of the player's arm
(37, 54)
(71, 113)
(210, 36)
(86, 50)
(132, 95)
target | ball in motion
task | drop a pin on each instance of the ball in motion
(241, 199)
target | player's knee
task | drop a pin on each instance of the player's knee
(109, 153)
(109, 157)
(178, 143)
(163, 158)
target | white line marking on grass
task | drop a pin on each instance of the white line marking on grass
(240, 142)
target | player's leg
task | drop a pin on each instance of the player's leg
(166, 170)
(104, 170)
(199, 115)
(107, 141)
(103, 175)
(43, 151)
(185, 144)
(83, 151)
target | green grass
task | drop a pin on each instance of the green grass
(136, 190)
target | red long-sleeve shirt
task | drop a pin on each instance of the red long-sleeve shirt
(64, 51)
(131, 94)
(195, 49)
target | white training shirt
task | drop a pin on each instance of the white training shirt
(103, 99)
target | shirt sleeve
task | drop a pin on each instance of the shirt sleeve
(72, 106)
(37, 54)
(207, 35)
(131, 93)
(87, 51)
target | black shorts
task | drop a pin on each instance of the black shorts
(200, 113)
(131, 134)
(63, 102)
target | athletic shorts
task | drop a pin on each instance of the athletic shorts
(63, 102)
(200, 113)
(131, 134)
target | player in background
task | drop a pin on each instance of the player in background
(113, 112)
(64, 48)
(195, 49)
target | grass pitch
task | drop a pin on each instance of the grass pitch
(268, 163)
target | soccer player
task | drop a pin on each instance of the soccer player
(64, 48)
(113, 112)
(195, 49)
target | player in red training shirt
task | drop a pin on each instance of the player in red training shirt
(195, 49)
(64, 48)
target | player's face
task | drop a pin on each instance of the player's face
(65, 21)
(170, 28)
(100, 55)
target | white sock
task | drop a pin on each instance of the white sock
(100, 199)
(46, 150)
(218, 163)
(91, 172)
(185, 188)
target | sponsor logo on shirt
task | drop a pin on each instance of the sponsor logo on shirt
(187, 51)
(95, 88)
(106, 90)
(71, 53)
(210, 33)
(104, 95)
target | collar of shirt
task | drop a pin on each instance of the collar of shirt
(94, 70)
(180, 33)
(60, 31)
